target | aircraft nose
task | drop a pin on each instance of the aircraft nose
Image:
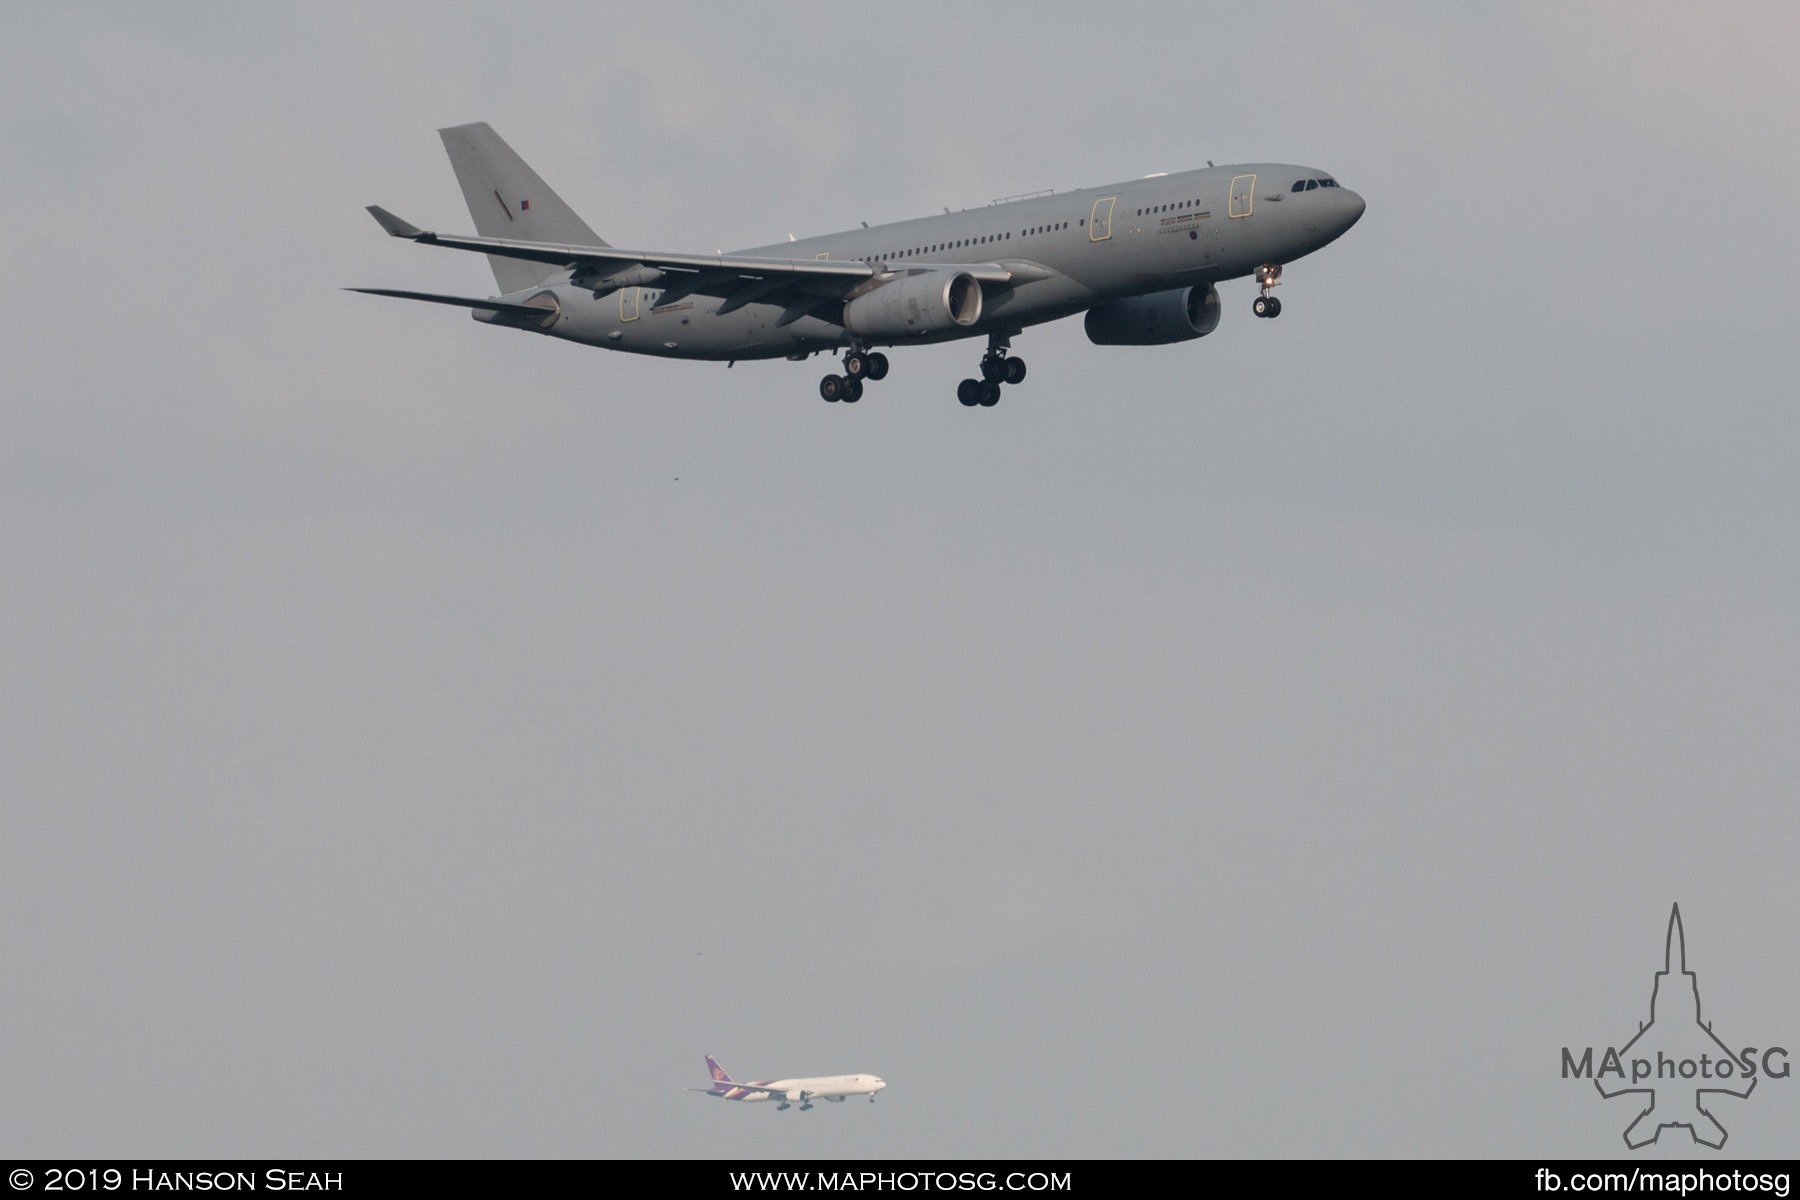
(1353, 207)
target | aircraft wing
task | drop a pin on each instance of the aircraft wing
(739, 277)
(530, 311)
(742, 1087)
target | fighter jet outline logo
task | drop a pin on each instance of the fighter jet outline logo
(1674, 1031)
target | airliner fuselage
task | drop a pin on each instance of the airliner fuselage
(1141, 258)
(1067, 252)
(785, 1092)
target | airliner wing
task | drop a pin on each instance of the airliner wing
(531, 311)
(608, 259)
(681, 275)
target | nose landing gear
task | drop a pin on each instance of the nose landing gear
(1267, 276)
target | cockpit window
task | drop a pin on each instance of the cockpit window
(1299, 186)
(1328, 183)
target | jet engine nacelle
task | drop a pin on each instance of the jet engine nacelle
(1179, 315)
(916, 305)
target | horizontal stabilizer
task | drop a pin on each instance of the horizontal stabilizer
(532, 311)
(394, 225)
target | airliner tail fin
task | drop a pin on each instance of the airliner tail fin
(510, 200)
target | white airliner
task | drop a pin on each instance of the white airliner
(1140, 258)
(835, 1088)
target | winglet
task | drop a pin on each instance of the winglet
(394, 225)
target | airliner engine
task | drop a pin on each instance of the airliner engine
(1179, 315)
(916, 305)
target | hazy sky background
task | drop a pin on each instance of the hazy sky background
(419, 739)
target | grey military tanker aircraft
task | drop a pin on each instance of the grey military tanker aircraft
(1142, 259)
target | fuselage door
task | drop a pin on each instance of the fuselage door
(628, 303)
(1100, 224)
(1243, 191)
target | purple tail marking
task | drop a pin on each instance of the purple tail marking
(721, 1081)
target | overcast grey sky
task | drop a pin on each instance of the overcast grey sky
(422, 740)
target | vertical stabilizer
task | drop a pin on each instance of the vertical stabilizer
(719, 1077)
(510, 200)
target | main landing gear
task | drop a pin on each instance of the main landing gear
(996, 368)
(1267, 277)
(858, 366)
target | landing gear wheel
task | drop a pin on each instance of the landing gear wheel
(993, 369)
(878, 367)
(1274, 306)
(990, 393)
(852, 390)
(856, 364)
(832, 388)
(1260, 306)
(1015, 370)
(969, 392)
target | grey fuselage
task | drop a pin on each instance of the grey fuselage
(1067, 252)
